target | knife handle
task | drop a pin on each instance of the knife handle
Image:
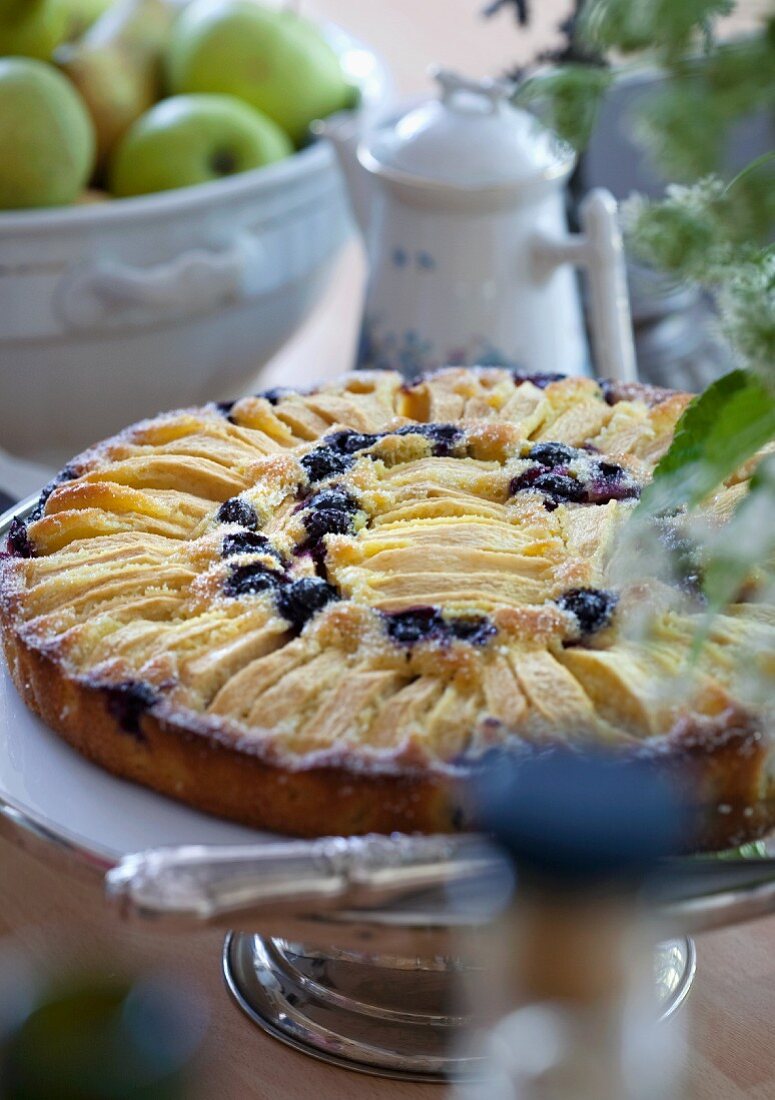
(206, 885)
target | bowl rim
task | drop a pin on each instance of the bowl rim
(178, 200)
(298, 166)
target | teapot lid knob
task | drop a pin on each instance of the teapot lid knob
(450, 82)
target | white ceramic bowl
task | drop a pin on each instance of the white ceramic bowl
(113, 311)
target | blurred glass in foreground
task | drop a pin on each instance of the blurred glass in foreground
(98, 1038)
(566, 999)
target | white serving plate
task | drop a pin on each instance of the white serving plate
(45, 780)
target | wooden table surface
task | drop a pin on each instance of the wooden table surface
(61, 924)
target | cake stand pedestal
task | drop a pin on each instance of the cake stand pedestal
(388, 1017)
(350, 949)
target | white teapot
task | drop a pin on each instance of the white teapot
(461, 203)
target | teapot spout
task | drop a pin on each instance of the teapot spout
(343, 130)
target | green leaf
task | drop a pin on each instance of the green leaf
(682, 129)
(754, 849)
(754, 166)
(746, 301)
(686, 233)
(719, 431)
(667, 26)
(568, 99)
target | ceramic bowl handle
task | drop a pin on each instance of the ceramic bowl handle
(111, 293)
(598, 248)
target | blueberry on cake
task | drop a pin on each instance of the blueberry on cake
(321, 612)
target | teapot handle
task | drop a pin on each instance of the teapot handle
(598, 248)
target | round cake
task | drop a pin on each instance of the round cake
(321, 612)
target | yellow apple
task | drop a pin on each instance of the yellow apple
(32, 28)
(81, 14)
(117, 66)
(46, 136)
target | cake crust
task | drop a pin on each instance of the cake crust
(721, 766)
(144, 727)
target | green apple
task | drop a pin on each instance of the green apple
(46, 136)
(272, 59)
(191, 139)
(32, 28)
(81, 14)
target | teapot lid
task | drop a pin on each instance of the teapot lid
(471, 137)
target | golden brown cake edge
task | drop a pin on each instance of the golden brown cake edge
(726, 761)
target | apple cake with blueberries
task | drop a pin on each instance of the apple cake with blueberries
(320, 612)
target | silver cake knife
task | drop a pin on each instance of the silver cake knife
(421, 886)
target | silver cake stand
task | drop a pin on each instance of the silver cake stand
(355, 950)
(350, 949)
